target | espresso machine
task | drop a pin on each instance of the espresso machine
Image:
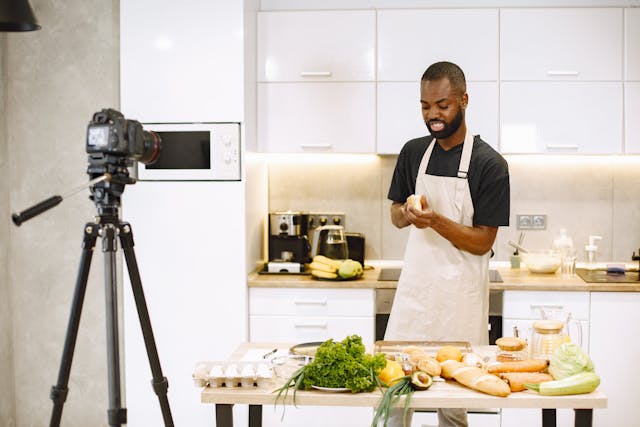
(289, 247)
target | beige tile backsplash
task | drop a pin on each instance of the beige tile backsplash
(587, 195)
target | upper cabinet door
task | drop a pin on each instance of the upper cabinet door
(632, 44)
(632, 112)
(316, 117)
(177, 65)
(400, 117)
(561, 117)
(561, 44)
(316, 46)
(411, 40)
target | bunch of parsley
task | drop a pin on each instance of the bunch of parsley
(343, 364)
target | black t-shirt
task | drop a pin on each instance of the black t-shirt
(488, 176)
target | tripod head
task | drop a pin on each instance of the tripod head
(113, 144)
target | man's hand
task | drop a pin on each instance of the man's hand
(422, 217)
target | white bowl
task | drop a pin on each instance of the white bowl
(541, 262)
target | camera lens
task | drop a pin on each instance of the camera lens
(150, 147)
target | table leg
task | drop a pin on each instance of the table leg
(548, 418)
(255, 415)
(224, 415)
(584, 417)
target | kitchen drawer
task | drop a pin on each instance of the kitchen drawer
(296, 329)
(312, 302)
(526, 304)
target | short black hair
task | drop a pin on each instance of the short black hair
(449, 70)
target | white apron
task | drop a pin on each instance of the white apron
(443, 292)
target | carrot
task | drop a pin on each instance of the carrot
(516, 380)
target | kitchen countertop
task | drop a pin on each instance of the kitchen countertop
(513, 279)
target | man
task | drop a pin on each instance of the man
(463, 185)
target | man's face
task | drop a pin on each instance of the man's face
(442, 107)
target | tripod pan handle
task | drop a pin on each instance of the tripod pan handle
(19, 218)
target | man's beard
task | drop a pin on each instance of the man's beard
(448, 129)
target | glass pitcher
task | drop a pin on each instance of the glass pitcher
(571, 328)
(330, 241)
(546, 338)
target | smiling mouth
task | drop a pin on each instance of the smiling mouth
(436, 125)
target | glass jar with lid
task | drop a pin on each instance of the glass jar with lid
(546, 338)
(510, 349)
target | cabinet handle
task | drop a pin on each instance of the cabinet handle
(561, 73)
(311, 302)
(315, 73)
(549, 306)
(572, 147)
(316, 146)
(311, 326)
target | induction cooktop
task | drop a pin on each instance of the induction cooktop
(601, 276)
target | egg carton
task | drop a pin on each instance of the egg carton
(231, 374)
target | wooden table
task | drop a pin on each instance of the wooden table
(447, 394)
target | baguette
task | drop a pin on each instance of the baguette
(474, 378)
(516, 380)
(527, 365)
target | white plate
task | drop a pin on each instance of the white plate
(332, 389)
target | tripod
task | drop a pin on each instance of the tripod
(108, 227)
(106, 191)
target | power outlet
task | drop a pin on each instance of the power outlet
(531, 221)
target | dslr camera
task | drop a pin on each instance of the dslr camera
(113, 139)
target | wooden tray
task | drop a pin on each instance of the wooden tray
(430, 347)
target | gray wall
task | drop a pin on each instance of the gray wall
(55, 79)
(7, 409)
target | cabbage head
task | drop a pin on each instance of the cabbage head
(569, 359)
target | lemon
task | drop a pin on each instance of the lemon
(391, 373)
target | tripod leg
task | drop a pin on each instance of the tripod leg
(59, 391)
(116, 414)
(159, 383)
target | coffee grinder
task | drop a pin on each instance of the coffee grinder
(289, 247)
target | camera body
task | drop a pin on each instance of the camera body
(110, 134)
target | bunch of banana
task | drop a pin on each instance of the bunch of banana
(327, 268)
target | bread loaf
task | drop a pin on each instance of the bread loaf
(474, 378)
(516, 380)
(415, 201)
(418, 357)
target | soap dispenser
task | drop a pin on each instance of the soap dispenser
(591, 248)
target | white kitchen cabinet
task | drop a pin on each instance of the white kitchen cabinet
(410, 40)
(316, 46)
(475, 419)
(561, 117)
(309, 315)
(561, 44)
(521, 309)
(299, 315)
(631, 113)
(632, 44)
(399, 116)
(181, 64)
(614, 349)
(331, 117)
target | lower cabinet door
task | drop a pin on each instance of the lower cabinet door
(315, 416)
(475, 419)
(293, 329)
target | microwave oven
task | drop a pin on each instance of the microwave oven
(194, 152)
